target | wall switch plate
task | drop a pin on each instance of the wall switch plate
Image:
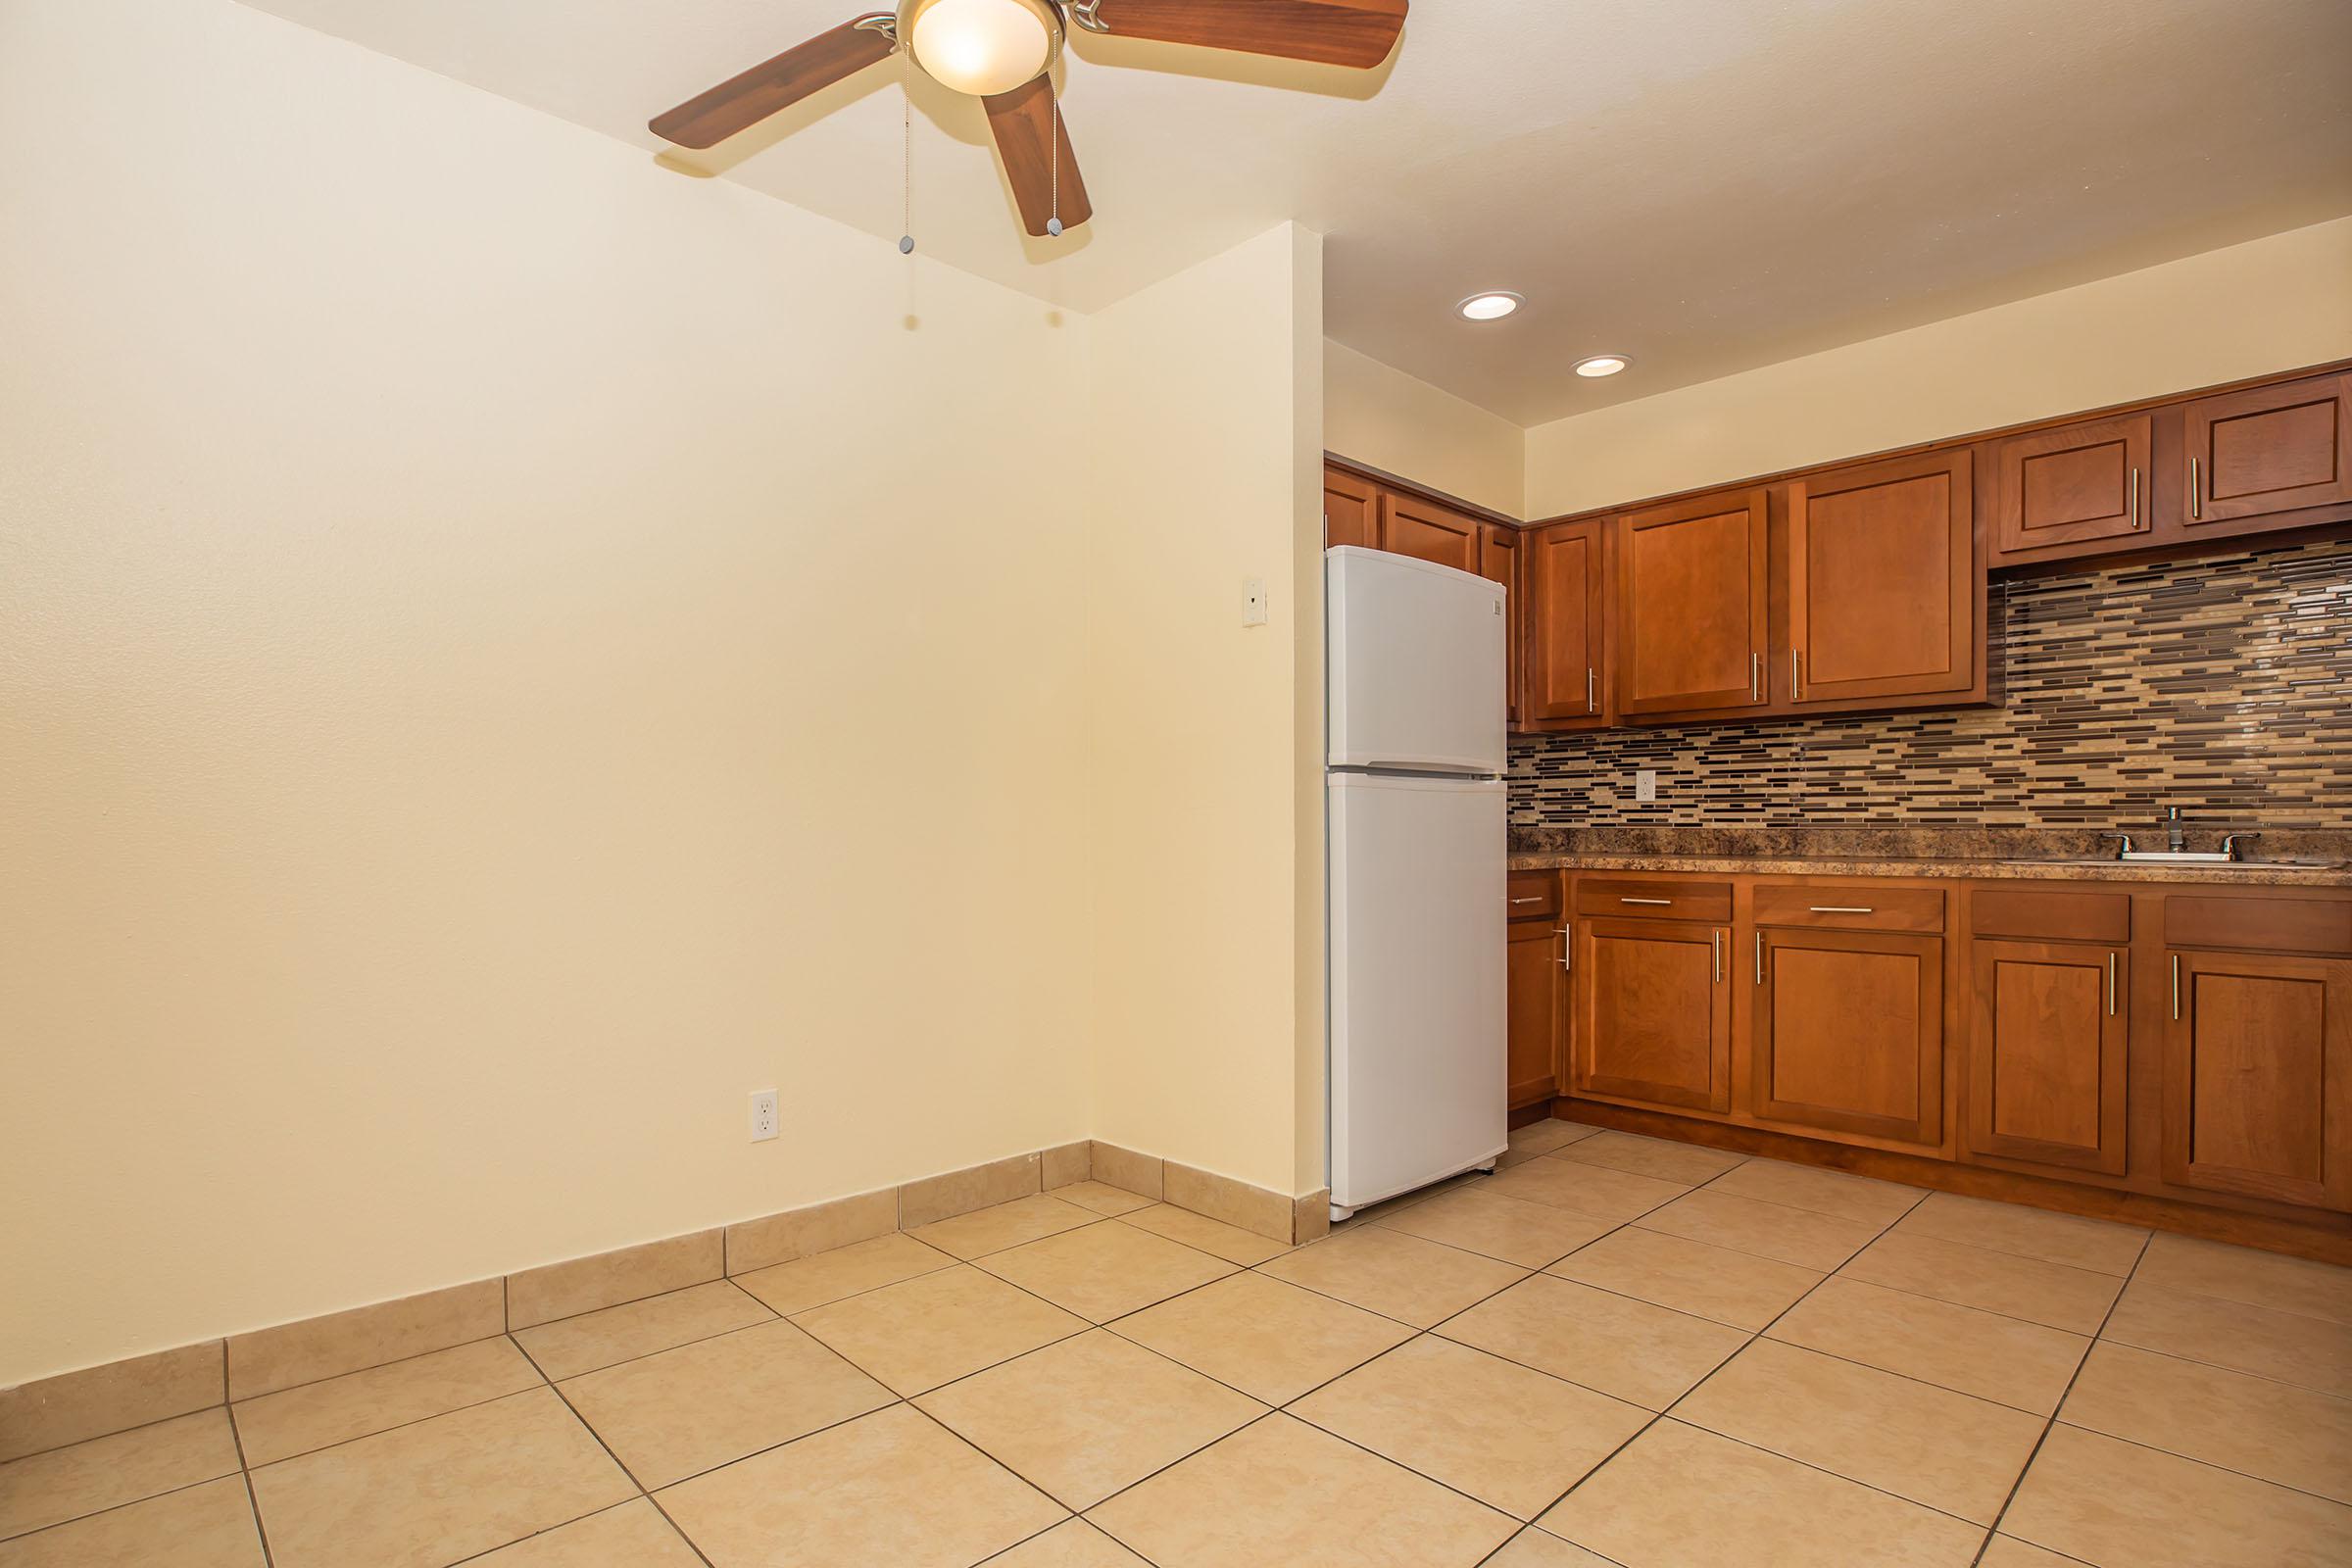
(764, 1115)
(1253, 602)
(1646, 784)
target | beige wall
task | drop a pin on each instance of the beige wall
(2245, 310)
(1402, 425)
(1206, 442)
(504, 651)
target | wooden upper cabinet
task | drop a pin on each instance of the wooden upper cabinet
(1567, 682)
(1654, 1013)
(1848, 1032)
(2258, 1076)
(1499, 560)
(1351, 509)
(2047, 1048)
(2269, 449)
(1883, 585)
(1691, 595)
(1427, 531)
(2080, 482)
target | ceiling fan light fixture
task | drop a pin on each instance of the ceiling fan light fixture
(1491, 306)
(982, 47)
(1593, 364)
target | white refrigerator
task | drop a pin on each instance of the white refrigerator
(1414, 660)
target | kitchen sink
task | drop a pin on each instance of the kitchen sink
(2202, 862)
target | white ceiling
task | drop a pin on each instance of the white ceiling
(1706, 185)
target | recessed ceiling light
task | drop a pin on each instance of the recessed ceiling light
(1490, 307)
(1601, 365)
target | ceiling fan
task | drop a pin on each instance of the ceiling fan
(1000, 51)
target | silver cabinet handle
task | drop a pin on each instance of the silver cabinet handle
(1759, 957)
(1532, 897)
(2195, 486)
(1718, 946)
(2110, 985)
(2131, 512)
(1567, 945)
(1842, 909)
(1796, 679)
(1591, 690)
(1661, 901)
(1755, 676)
(2176, 985)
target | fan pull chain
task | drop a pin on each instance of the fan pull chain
(1054, 221)
(907, 169)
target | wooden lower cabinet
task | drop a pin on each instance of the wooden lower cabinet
(2049, 1050)
(1653, 1016)
(2258, 1076)
(1848, 1032)
(1538, 1008)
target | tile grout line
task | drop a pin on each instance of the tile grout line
(253, 1499)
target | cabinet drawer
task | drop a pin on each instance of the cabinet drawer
(2038, 915)
(1850, 906)
(1655, 901)
(2277, 925)
(1534, 895)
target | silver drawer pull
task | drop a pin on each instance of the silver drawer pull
(1532, 897)
(1645, 901)
(1843, 909)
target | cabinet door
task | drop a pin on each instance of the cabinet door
(1537, 1006)
(1849, 1032)
(1426, 531)
(2064, 486)
(1351, 509)
(1690, 604)
(1567, 667)
(1499, 560)
(2258, 1076)
(2047, 1052)
(2269, 449)
(1883, 586)
(1653, 1014)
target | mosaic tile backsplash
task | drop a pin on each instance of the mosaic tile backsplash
(2222, 685)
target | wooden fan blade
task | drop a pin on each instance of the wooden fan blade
(742, 102)
(1331, 32)
(1025, 124)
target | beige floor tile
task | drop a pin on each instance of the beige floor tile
(1105, 1271)
(2004, 1359)
(2092, 1243)
(1101, 1197)
(1477, 1220)
(893, 1488)
(1269, 1340)
(49, 1489)
(1798, 1236)
(1280, 1494)
(2242, 1274)
(1073, 1544)
(631, 1536)
(920, 1333)
(2007, 1551)
(1536, 1548)
(1661, 1157)
(2309, 1352)
(313, 1415)
(2055, 1295)
(1543, 1136)
(207, 1525)
(1512, 1438)
(1948, 1450)
(440, 1490)
(992, 1230)
(570, 1346)
(1083, 1419)
(1624, 1348)
(1395, 1275)
(1823, 1192)
(701, 1405)
(2118, 1506)
(1679, 1498)
(1594, 1190)
(1211, 1236)
(2271, 1431)
(822, 1277)
(1736, 1288)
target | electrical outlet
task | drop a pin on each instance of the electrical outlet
(1646, 784)
(764, 1115)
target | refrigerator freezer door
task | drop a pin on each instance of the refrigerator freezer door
(1417, 981)
(1415, 654)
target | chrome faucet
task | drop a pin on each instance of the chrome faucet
(2175, 835)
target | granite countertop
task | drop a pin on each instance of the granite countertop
(2055, 854)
